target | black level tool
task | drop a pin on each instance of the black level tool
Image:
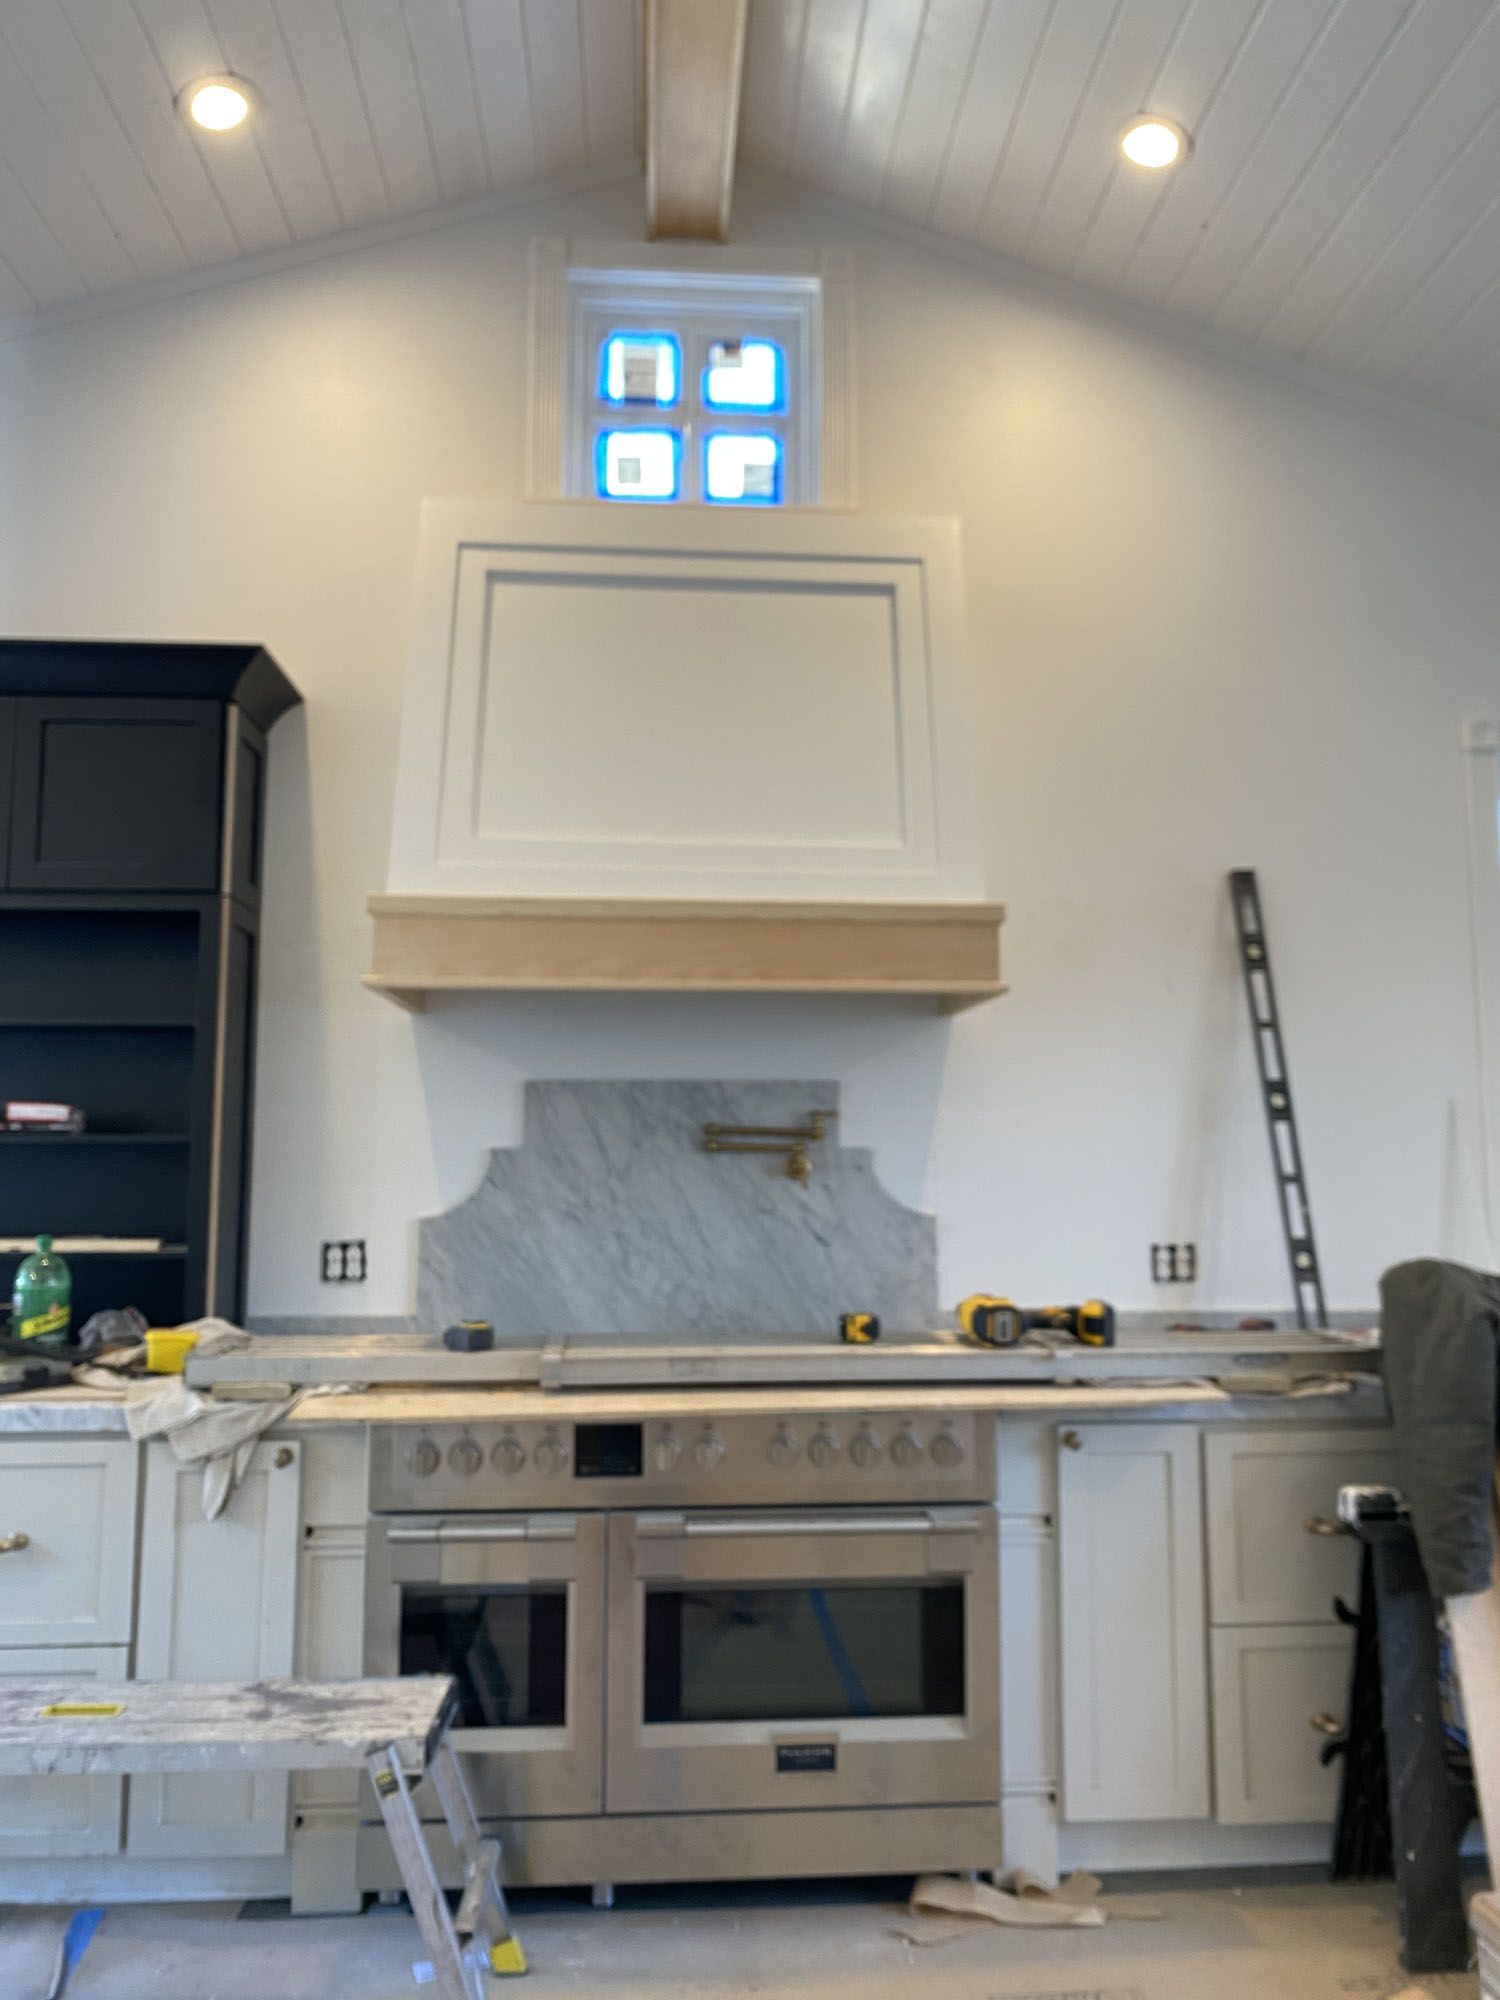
(1001, 1322)
(1276, 1090)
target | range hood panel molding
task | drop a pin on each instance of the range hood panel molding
(714, 750)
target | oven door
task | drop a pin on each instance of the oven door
(764, 1661)
(513, 1607)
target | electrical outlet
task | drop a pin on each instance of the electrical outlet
(344, 1263)
(1174, 1263)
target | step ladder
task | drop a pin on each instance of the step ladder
(1276, 1092)
(397, 1730)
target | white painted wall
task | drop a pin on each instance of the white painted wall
(1216, 619)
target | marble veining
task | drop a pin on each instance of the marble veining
(610, 1217)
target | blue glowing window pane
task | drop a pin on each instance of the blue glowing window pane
(743, 468)
(638, 465)
(640, 368)
(745, 375)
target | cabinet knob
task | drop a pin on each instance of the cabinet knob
(1315, 1524)
(283, 1457)
(1071, 1441)
(9, 1543)
(1326, 1725)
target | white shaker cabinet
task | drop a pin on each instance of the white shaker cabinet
(1264, 1487)
(1279, 1692)
(1133, 1631)
(67, 1540)
(217, 1603)
(1281, 1661)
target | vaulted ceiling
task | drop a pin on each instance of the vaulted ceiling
(1341, 202)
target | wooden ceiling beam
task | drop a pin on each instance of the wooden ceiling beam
(695, 58)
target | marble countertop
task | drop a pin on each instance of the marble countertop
(50, 1411)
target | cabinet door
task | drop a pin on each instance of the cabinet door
(1273, 1686)
(1131, 1600)
(218, 1603)
(71, 1580)
(44, 1817)
(7, 741)
(116, 795)
(1264, 1567)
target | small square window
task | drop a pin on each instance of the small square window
(745, 375)
(742, 468)
(640, 368)
(639, 465)
(700, 349)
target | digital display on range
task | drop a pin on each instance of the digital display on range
(607, 1451)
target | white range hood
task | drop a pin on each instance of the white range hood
(688, 749)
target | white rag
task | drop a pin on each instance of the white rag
(218, 1434)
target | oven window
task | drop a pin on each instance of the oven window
(507, 1649)
(804, 1653)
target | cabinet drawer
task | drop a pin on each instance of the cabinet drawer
(44, 1817)
(116, 794)
(1271, 1686)
(1263, 1487)
(73, 1499)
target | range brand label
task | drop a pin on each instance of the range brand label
(807, 1756)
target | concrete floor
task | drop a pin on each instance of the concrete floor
(1287, 1941)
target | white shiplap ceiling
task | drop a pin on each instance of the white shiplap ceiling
(1341, 203)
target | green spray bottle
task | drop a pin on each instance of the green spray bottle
(42, 1301)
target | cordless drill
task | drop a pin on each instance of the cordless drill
(1001, 1322)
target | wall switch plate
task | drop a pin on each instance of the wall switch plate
(344, 1263)
(1174, 1263)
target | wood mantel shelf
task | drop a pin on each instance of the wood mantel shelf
(948, 953)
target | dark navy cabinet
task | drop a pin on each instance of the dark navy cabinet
(132, 798)
(116, 794)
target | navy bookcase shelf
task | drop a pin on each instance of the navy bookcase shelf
(131, 812)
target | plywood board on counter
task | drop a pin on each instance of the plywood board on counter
(397, 1405)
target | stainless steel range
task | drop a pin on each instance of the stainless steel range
(696, 1648)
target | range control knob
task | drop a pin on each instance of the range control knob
(508, 1456)
(865, 1450)
(551, 1455)
(906, 1449)
(823, 1449)
(666, 1453)
(783, 1450)
(423, 1459)
(947, 1451)
(465, 1457)
(709, 1450)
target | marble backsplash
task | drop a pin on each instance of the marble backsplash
(610, 1217)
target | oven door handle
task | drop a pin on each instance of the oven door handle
(535, 1528)
(808, 1524)
(951, 1537)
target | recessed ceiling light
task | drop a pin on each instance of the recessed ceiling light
(1153, 142)
(217, 103)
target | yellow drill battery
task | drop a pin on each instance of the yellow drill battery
(859, 1329)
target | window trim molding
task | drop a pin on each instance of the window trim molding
(1481, 742)
(556, 259)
